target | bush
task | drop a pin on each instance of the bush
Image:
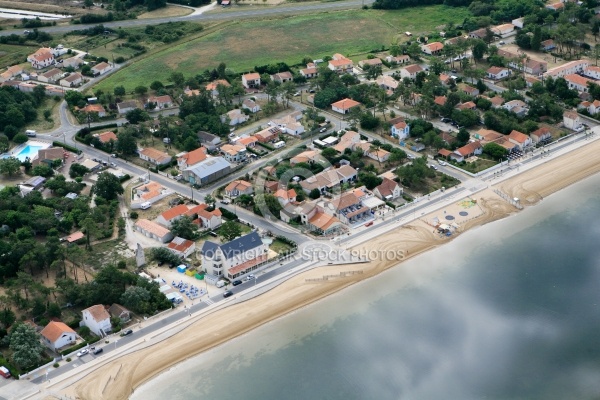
(68, 359)
(66, 147)
(124, 178)
(120, 60)
(228, 214)
(133, 215)
(56, 365)
(20, 138)
(74, 348)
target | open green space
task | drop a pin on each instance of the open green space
(14, 54)
(243, 45)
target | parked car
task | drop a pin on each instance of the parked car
(96, 351)
(227, 294)
(442, 163)
(82, 353)
(433, 167)
(237, 282)
(127, 332)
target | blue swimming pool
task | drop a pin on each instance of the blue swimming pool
(29, 150)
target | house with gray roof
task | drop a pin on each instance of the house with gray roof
(235, 258)
(207, 171)
(208, 140)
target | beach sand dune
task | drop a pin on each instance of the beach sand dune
(117, 380)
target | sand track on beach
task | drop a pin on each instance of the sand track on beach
(134, 369)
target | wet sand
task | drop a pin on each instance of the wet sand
(118, 379)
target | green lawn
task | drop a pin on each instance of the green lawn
(243, 45)
(14, 54)
(279, 247)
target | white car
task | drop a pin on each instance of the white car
(82, 353)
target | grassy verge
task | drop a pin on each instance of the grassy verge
(43, 125)
(243, 45)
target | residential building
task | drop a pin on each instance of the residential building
(51, 76)
(207, 171)
(348, 208)
(49, 155)
(153, 230)
(247, 141)
(388, 190)
(73, 62)
(208, 140)
(57, 335)
(126, 106)
(182, 247)
(497, 101)
(289, 124)
(520, 139)
(213, 86)
(340, 64)
(251, 105)
(235, 258)
(440, 100)
(468, 150)
(555, 6)
(160, 102)
(387, 82)
(433, 48)
(578, 82)
(324, 224)
(106, 137)
(373, 152)
(42, 58)
(251, 80)
(118, 311)
(94, 108)
(519, 22)
(307, 157)
(445, 79)
(410, 71)
(592, 72)
(479, 34)
(329, 179)
(548, 45)
(402, 59)
(541, 135)
(204, 218)
(97, 319)
(285, 196)
(101, 68)
(469, 105)
(34, 183)
(591, 107)
(447, 138)
(347, 141)
(399, 128)
(470, 90)
(154, 156)
(497, 73)
(235, 117)
(73, 80)
(234, 153)
(171, 215)
(192, 158)
(572, 67)
(371, 62)
(310, 71)
(282, 77)
(503, 30)
(11, 72)
(516, 106)
(151, 191)
(343, 106)
(572, 120)
(268, 134)
(238, 188)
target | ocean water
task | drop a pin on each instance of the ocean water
(510, 310)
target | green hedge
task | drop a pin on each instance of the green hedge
(286, 241)
(103, 127)
(74, 348)
(66, 147)
(124, 178)
(228, 214)
(391, 205)
(266, 146)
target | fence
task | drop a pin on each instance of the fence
(514, 201)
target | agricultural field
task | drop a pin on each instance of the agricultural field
(243, 45)
(12, 54)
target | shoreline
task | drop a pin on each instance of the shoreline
(132, 370)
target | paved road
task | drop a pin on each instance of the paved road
(235, 13)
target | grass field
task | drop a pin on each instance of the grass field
(243, 45)
(11, 54)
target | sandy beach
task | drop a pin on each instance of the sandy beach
(118, 379)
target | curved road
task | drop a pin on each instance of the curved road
(243, 13)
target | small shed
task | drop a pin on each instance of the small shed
(181, 268)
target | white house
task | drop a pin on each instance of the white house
(282, 77)
(182, 247)
(161, 102)
(72, 80)
(343, 106)
(540, 135)
(520, 139)
(578, 82)
(235, 258)
(388, 190)
(42, 58)
(289, 124)
(154, 156)
(572, 67)
(251, 105)
(497, 73)
(410, 71)
(101, 68)
(340, 64)
(592, 72)
(153, 230)
(572, 120)
(206, 219)
(57, 335)
(97, 319)
(432, 48)
(235, 117)
(171, 215)
(518, 23)
(251, 80)
(400, 129)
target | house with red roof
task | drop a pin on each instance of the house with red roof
(470, 149)
(182, 247)
(57, 335)
(285, 196)
(520, 139)
(192, 158)
(344, 106)
(106, 137)
(154, 156)
(433, 48)
(251, 80)
(42, 58)
(204, 218)
(160, 102)
(388, 190)
(171, 215)
(340, 64)
(94, 108)
(497, 73)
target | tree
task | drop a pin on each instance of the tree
(26, 346)
(164, 255)
(185, 228)
(536, 39)
(7, 317)
(209, 200)
(77, 170)
(329, 153)
(108, 186)
(9, 166)
(141, 90)
(177, 78)
(230, 230)
(463, 136)
(119, 91)
(126, 144)
(369, 179)
(136, 299)
(314, 194)
(90, 228)
(495, 151)
(136, 116)
(479, 49)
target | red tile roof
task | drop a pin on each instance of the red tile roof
(54, 330)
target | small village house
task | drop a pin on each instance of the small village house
(97, 319)
(57, 335)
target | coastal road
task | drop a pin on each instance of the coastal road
(234, 13)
